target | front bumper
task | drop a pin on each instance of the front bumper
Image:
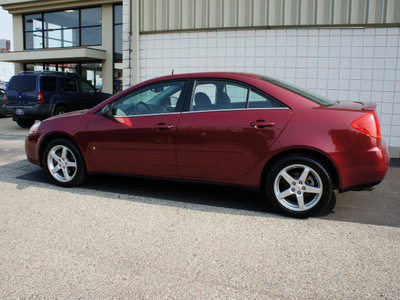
(32, 148)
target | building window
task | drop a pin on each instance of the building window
(63, 29)
(117, 48)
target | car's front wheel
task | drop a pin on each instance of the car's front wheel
(64, 163)
(298, 186)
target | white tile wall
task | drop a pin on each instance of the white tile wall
(343, 64)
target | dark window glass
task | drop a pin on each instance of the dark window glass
(91, 36)
(22, 83)
(91, 17)
(118, 43)
(33, 22)
(69, 28)
(86, 87)
(258, 101)
(62, 19)
(68, 85)
(49, 84)
(321, 100)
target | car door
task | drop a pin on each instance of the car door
(69, 93)
(227, 128)
(138, 133)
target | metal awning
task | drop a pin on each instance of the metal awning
(53, 55)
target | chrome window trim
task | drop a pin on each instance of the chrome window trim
(146, 115)
(238, 109)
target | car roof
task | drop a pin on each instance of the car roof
(209, 74)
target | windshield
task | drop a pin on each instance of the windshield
(324, 101)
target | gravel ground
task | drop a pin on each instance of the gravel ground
(117, 237)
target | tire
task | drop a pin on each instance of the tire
(60, 110)
(64, 163)
(25, 123)
(298, 186)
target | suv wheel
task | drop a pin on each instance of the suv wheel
(59, 110)
(25, 123)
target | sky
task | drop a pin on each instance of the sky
(6, 33)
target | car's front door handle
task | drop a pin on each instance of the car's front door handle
(262, 124)
(163, 126)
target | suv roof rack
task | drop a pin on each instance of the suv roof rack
(51, 73)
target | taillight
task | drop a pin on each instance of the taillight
(5, 99)
(368, 124)
(39, 98)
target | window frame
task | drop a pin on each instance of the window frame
(179, 105)
(44, 32)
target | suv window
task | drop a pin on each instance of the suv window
(68, 85)
(49, 84)
(22, 83)
(86, 87)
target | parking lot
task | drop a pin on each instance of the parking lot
(121, 237)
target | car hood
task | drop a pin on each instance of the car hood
(76, 112)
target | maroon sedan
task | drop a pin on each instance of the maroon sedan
(229, 128)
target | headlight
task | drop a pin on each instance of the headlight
(34, 128)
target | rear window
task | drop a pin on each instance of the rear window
(22, 83)
(321, 100)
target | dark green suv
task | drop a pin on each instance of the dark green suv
(38, 95)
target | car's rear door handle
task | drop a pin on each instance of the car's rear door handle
(163, 126)
(262, 124)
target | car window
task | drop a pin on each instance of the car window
(154, 99)
(49, 84)
(324, 101)
(260, 101)
(22, 84)
(86, 87)
(218, 95)
(68, 85)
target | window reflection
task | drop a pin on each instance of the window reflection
(69, 28)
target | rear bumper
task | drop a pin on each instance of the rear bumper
(37, 111)
(364, 170)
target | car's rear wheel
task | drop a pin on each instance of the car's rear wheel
(25, 123)
(298, 186)
(64, 163)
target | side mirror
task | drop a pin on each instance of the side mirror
(107, 111)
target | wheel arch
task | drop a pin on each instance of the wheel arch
(52, 137)
(327, 163)
(59, 104)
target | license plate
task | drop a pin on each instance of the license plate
(19, 111)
